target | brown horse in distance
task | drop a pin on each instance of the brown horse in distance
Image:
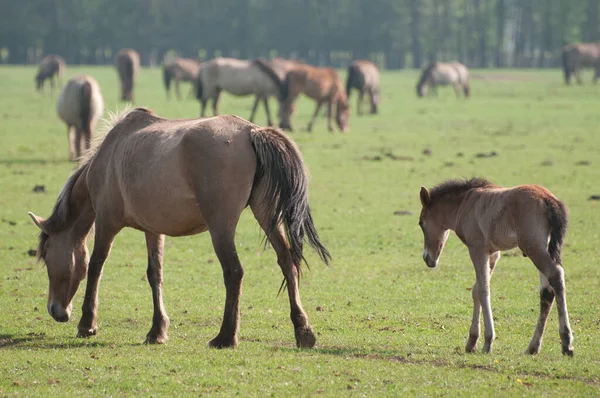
(489, 219)
(178, 178)
(180, 70)
(51, 67)
(127, 63)
(363, 75)
(578, 56)
(321, 84)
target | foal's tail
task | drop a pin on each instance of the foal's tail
(85, 107)
(281, 165)
(353, 79)
(558, 219)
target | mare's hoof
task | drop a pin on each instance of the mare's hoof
(153, 339)
(568, 351)
(533, 349)
(220, 342)
(471, 344)
(487, 348)
(87, 332)
(305, 337)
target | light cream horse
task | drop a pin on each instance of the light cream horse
(127, 63)
(178, 178)
(363, 75)
(444, 74)
(80, 106)
(51, 67)
(240, 78)
(180, 70)
(578, 56)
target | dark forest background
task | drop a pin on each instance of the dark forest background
(394, 33)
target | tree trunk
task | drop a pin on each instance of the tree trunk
(500, 33)
(416, 38)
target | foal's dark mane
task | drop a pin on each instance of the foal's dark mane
(426, 73)
(455, 187)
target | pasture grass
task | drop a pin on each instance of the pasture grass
(386, 325)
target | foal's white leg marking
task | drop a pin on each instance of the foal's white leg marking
(566, 336)
(481, 262)
(546, 301)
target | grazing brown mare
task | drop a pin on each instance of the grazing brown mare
(321, 84)
(178, 178)
(180, 69)
(127, 63)
(443, 74)
(52, 67)
(489, 219)
(580, 55)
(363, 75)
(80, 106)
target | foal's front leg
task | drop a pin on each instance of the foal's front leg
(474, 330)
(312, 121)
(160, 321)
(481, 261)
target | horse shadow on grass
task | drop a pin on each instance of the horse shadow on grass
(41, 341)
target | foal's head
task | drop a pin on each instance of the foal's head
(435, 234)
(66, 261)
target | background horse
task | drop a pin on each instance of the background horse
(180, 69)
(212, 169)
(363, 75)
(52, 67)
(240, 78)
(580, 55)
(321, 84)
(443, 74)
(127, 63)
(489, 219)
(80, 105)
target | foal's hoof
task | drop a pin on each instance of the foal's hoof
(305, 337)
(221, 342)
(533, 349)
(568, 351)
(471, 345)
(156, 339)
(87, 332)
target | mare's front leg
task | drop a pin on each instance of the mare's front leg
(233, 273)
(312, 121)
(546, 301)
(329, 123)
(266, 104)
(104, 235)
(481, 261)
(359, 105)
(160, 321)
(474, 330)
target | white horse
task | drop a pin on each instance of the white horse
(80, 106)
(240, 78)
(444, 74)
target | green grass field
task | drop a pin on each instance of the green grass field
(386, 324)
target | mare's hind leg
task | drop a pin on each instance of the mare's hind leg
(104, 235)
(71, 139)
(305, 336)
(481, 262)
(224, 245)
(256, 100)
(78, 139)
(266, 104)
(555, 275)
(312, 121)
(474, 330)
(216, 101)
(160, 321)
(546, 301)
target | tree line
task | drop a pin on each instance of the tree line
(393, 33)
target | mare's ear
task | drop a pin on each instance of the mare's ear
(424, 194)
(39, 221)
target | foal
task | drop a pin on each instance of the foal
(488, 219)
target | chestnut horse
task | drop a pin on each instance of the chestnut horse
(489, 219)
(211, 169)
(580, 55)
(444, 74)
(321, 84)
(238, 77)
(180, 69)
(80, 106)
(52, 67)
(127, 63)
(363, 75)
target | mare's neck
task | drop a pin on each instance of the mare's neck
(81, 212)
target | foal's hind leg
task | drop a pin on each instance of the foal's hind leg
(555, 275)
(474, 330)
(160, 321)
(546, 301)
(305, 336)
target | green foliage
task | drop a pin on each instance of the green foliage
(386, 325)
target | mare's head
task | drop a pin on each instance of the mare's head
(342, 112)
(422, 83)
(66, 261)
(431, 223)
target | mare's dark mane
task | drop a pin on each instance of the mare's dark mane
(426, 73)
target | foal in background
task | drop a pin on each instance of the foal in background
(489, 219)
(52, 67)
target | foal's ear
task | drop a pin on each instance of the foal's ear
(424, 196)
(39, 221)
